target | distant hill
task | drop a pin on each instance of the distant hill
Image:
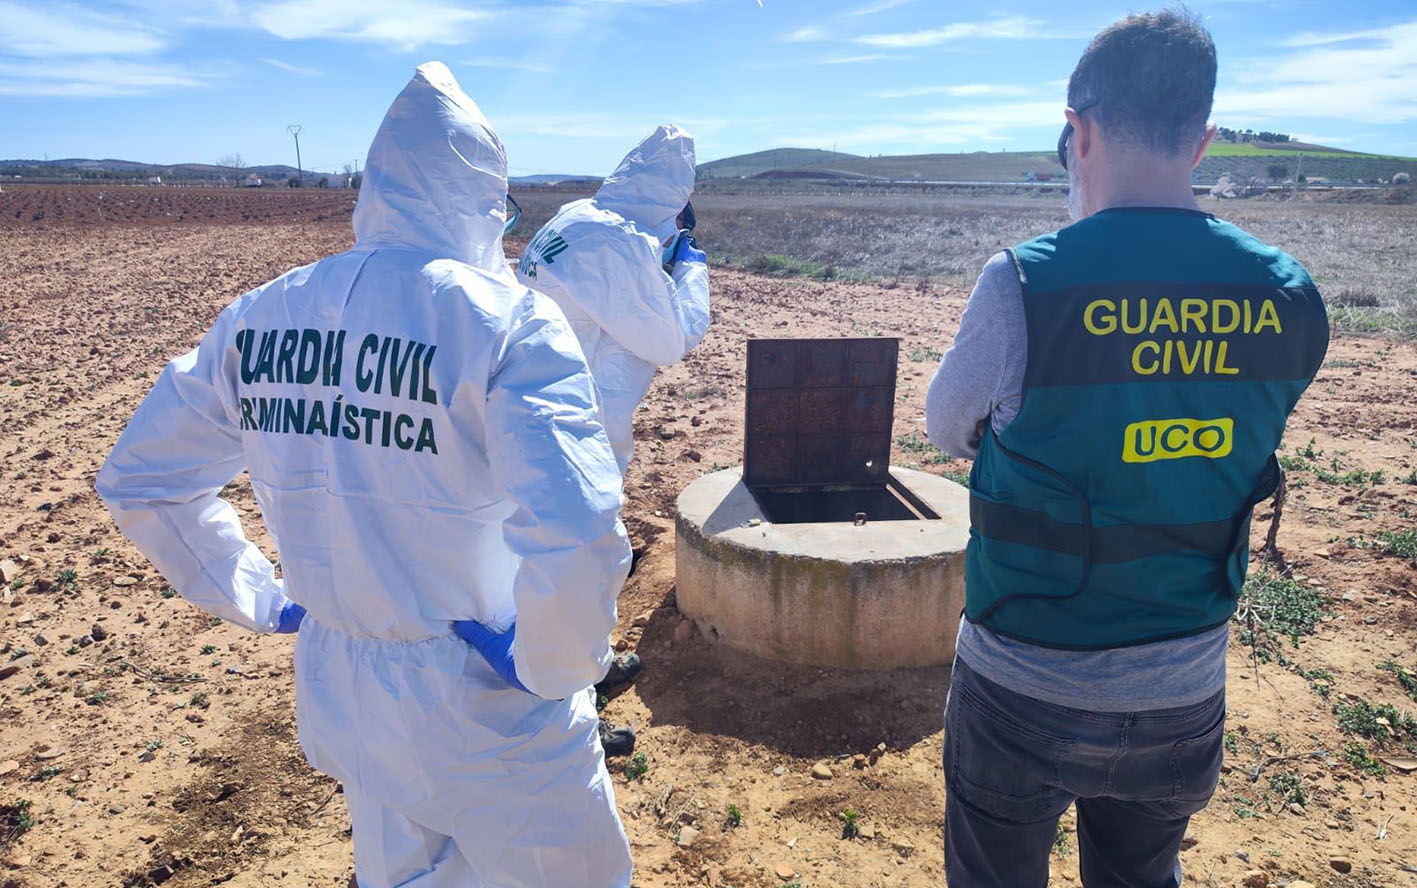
(87, 169)
(747, 165)
(552, 179)
(1265, 160)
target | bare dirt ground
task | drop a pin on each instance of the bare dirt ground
(143, 743)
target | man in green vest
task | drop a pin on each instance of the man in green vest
(1122, 385)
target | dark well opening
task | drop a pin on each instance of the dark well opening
(891, 501)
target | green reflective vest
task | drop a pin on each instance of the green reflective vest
(1166, 350)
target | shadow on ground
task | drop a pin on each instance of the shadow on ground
(803, 711)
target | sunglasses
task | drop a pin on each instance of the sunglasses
(1068, 132)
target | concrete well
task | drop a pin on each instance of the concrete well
(883, 595)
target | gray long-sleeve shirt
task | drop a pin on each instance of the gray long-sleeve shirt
(981, 380)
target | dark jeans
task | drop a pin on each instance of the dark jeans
(1013, 764)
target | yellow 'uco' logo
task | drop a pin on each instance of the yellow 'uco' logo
(1159, 439)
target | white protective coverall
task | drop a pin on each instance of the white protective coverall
(601, 259)
(423, 439)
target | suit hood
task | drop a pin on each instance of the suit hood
(436, 176)
(653, 182)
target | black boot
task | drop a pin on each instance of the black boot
(616, 740)
(624, 669)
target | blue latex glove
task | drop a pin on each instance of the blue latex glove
(495, 648)
(684, 249)
(290, 617)
(687, 250)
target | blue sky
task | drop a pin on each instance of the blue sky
(571, 84)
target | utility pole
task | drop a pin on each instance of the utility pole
(295, 130)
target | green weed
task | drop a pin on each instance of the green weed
(851, 827)
(637, 767)
(1289, 789)
(735, 816)
(1407, 679)
(1356, 754)
(1280, 607)
(1381, 722)
(16, 819)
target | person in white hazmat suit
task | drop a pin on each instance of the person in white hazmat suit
(624, 268)
(424, 441)
(627, 273)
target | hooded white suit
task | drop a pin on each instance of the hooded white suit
(422, 437)
(601, 260)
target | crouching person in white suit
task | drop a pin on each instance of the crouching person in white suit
(425, 443)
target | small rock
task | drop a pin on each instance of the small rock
(21, 862)
(85, 641)
(820, 771)
(98, 632)
(684, 631)
(866, 831)
(8, 670)
(117, 808)
(41, 639)
(1189, 842)
(621, 645)
(779, 771)
(1255, 879)
(9, 767)
(125, 581)
(903, 847)
(785, 872)
(26, 617)
(1332, 824)
(8, 571)
(49, 753)
(858, 761)
(1300, 883)
(686, 836)
(1243, 855)
(1297, 809)
(1401, 763)
(643, 619)
(1341, 865)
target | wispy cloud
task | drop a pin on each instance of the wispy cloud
(805, 34)
(508, 64)
(994, 122)
(407, 25)
(294, 69)
(959, 91)
(873, 8)
(1013, 28)
(1361, 76)
(850, 59)
(95, 78)
(61, 30)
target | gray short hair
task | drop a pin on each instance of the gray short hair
(1153, 79)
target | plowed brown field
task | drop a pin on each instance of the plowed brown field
(141, 743)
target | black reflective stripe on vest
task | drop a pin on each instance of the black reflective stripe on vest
(1118, 543)
(1108, 545)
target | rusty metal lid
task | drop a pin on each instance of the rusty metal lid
(819, 411)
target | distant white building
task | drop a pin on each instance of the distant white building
(154, 180)
(251, 181)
